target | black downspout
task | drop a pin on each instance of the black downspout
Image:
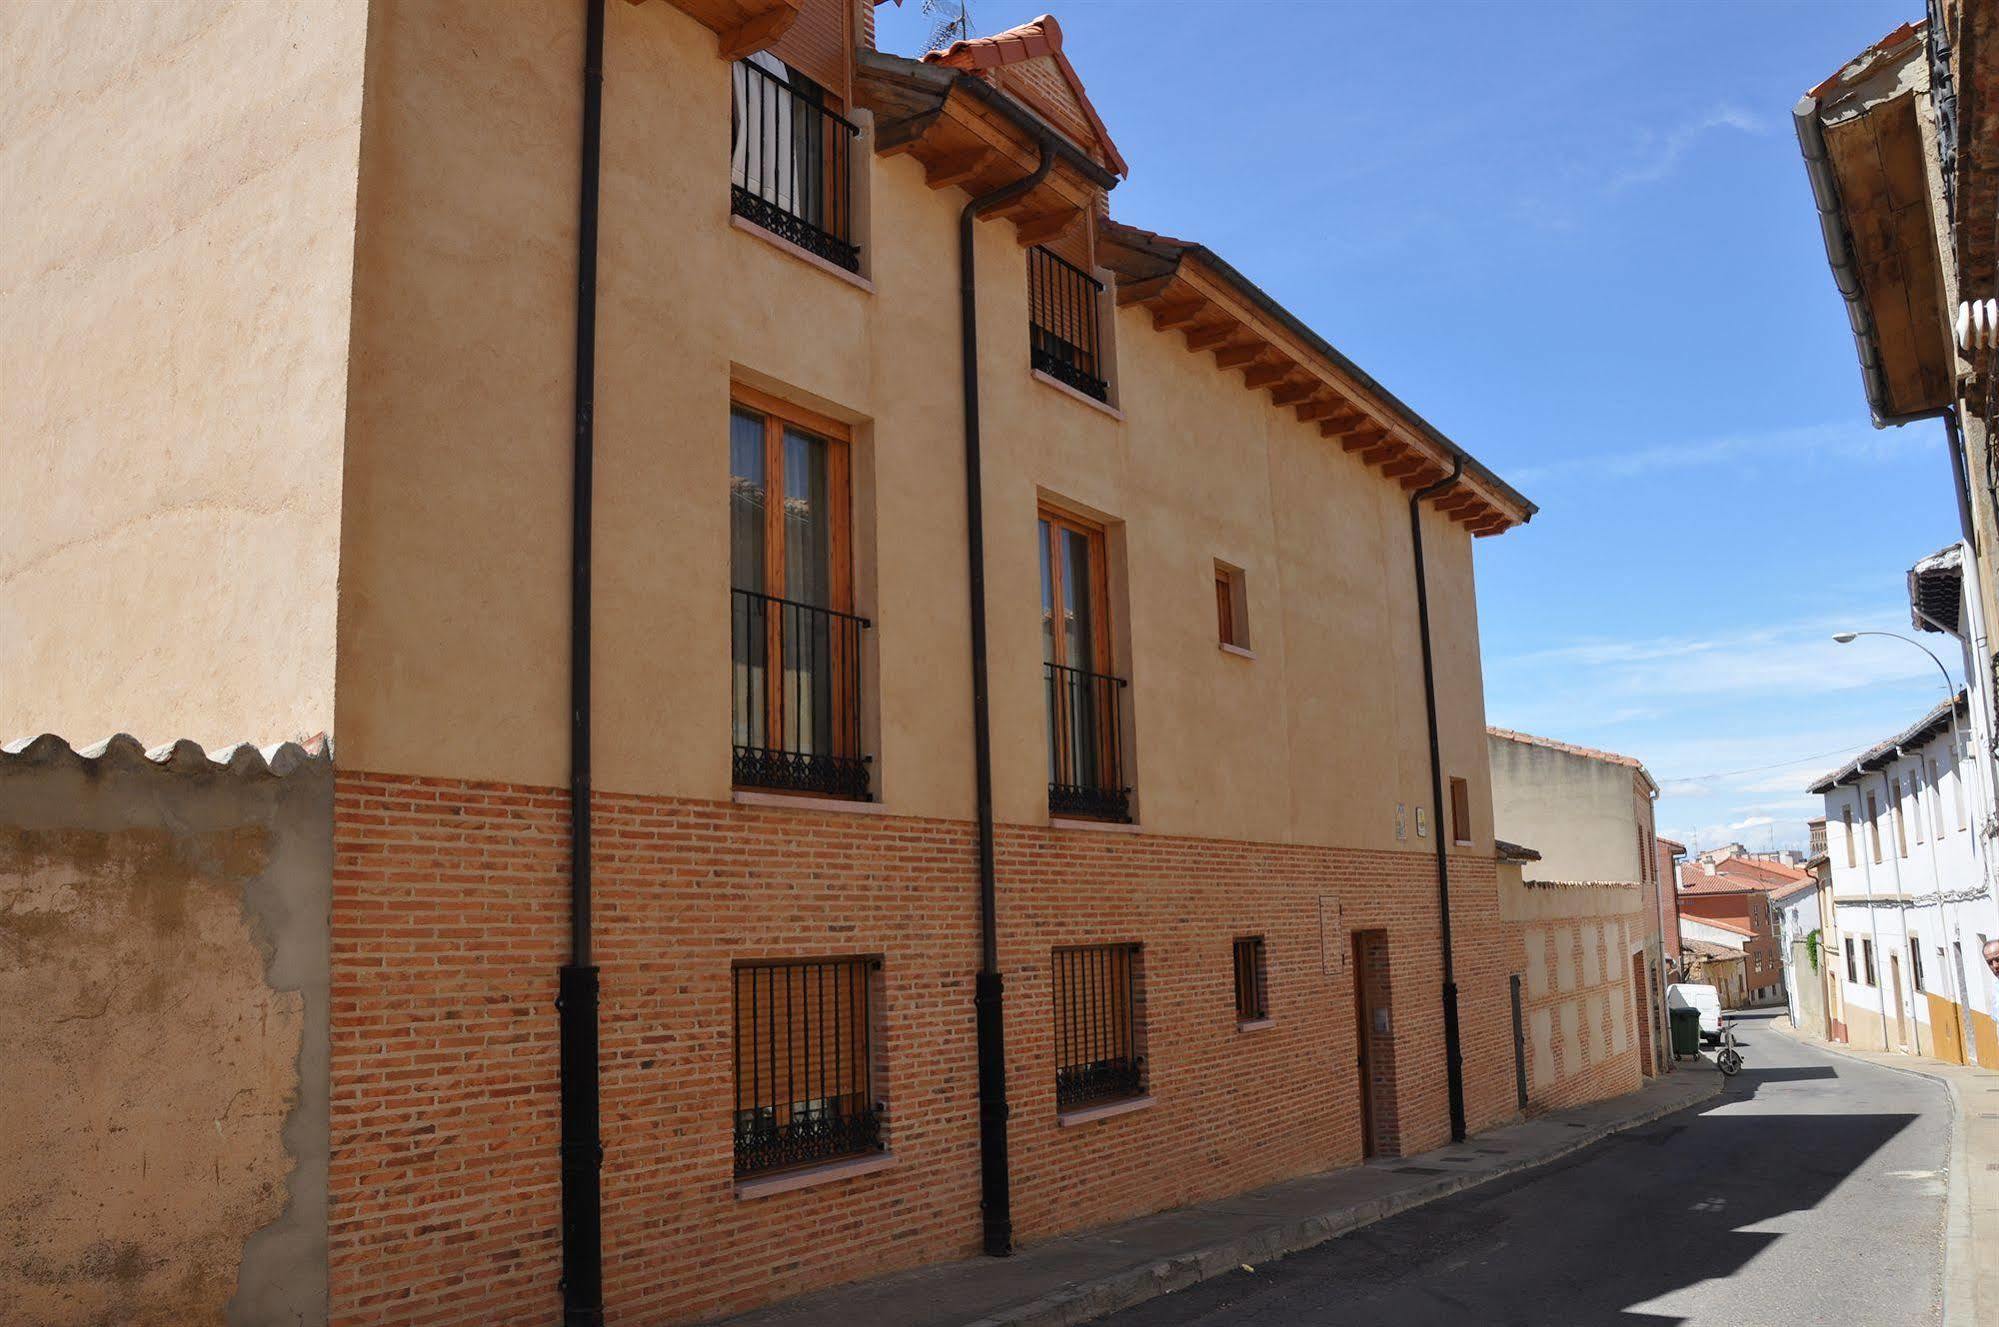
(1454, 1064)
(582, 1148)
(1954, 436)
(989, 1000)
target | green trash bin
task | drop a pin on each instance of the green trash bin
(1686, 1032)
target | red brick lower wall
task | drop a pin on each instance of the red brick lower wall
(450, 921)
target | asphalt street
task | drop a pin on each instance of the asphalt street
(1811, 1191)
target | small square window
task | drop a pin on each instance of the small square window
(1252, 996)
(1231, 606)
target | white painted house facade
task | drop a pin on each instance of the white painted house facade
(1911, 892)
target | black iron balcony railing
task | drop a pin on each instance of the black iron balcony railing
(1062, 303)
(796, 702)
(1085, 760)
(1096, 1038)
(791, 168)
(804, 1063)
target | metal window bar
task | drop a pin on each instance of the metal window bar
(1062, 302)
(1096, 1037)
(1085, 727)
(791, 160)
(796, 696)
(804, 1067)
(1251, 998)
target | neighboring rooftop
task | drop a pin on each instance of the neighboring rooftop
(1709, 950)
(1938, 721)
(1571, 749)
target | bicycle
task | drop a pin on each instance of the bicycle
(1727, 1058)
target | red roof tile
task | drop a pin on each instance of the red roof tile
(1029, 41)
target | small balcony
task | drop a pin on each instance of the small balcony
(796, 702)
(1062, 304)
(791, 163)
(1086, 762)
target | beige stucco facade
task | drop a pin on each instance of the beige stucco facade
(430, 468)
(176, 247)
(1583, 814)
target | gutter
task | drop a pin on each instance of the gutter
(1454, 1065)
(1463, 460)
(582, 1148)
(989, 991)
(1839, 254)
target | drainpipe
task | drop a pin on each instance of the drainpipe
(1454, 1066)
(989, 994)
(582, 1149)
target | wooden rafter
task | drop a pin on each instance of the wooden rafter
(959, 167)
(1166, 317)
(1206, 336)
(1362, 438)
(1047, 226)
(1214, 316)
(1143, 292)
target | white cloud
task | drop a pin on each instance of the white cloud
(1753, 822)
(1838, 443)
(1661, 154)
(1784, 660)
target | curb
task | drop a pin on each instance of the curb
(1959, 1276)
(1079, 1303)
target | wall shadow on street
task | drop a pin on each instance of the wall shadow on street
(1579, 1242)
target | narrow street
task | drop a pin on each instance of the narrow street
(1810, 1192)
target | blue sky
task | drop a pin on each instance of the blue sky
(1579, 239)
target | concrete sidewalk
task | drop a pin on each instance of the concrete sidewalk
(1079, 1277)
(1971, 1205)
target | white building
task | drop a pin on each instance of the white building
(1911, 899)
(1807, 967)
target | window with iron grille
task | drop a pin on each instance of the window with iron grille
(796, 646)
(791, 160)
(1096, 1026)
(1062, 304)
(1252, 1001)
(804, 1063)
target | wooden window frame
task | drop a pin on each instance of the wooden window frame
(1460, 790)
(1058, 520)
(1852, 855)
(1874, 826)
(1250, 956)
(778, 414)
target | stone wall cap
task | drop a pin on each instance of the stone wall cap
(242, 759)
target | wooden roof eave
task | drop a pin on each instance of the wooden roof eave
(969, 136)
(741, 27)
(1181, 296)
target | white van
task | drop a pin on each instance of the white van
(1687, 995)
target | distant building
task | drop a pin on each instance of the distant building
(1908, 881)
(1726, 900)
(1589, 816)
(1667, 870)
